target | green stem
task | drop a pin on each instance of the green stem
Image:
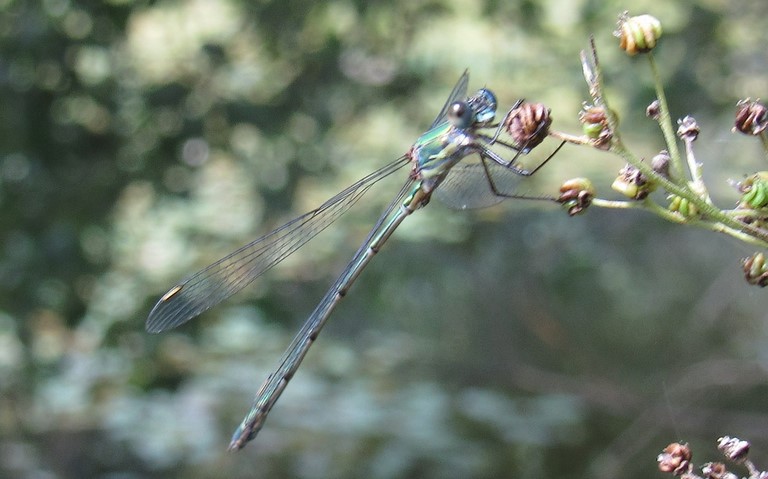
(665, 122)
(573, 139)
(736, 233)
(601, 203)
(709, 216)
(746, 213)
(674, 217)
(646, 204)
(697, 184)
(706, 210)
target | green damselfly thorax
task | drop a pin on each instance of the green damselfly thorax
(439, 163)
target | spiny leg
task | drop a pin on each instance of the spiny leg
(519, 149)
(488, 153)
(495, 190)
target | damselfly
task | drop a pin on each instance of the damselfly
(439, 163)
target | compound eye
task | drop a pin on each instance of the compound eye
(484, 106)
(459, 114)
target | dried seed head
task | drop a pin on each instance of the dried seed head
(755, 270)
(638, 34)
(733, 448)
(528, 125)
(660, 163)
(593, 114)
(632, 183)
(751, 117)
(594, 123)
(675, 458)
(688, 129)
(576, 195)
(715, 470)
(653, 110)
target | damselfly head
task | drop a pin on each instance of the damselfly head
(483, 104)
(460, 114)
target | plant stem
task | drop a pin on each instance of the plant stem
(665, 122)
(697, 183)
(706, 209)
(574, 139)
(616, 204)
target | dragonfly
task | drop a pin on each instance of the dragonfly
(439, 163)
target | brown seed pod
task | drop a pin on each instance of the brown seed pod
(576, 195)
(751, 117)
(675, 458)
(528, 125)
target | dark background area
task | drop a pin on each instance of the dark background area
(140, 141)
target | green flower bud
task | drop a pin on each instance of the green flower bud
(754, 191)
(683, 206)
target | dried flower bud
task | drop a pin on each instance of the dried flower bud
(754, 191)
(757, 221)
(638, 34)
(675, 458)
(751, 117)
(716, 470)
(654, 110)
(528, 125)
(594, 123)
(594, 120)
(576, 195)
(733, 448)
(660, 163)
(755, 270)
(688, 129)
(632, 183)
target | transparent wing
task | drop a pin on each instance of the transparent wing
(591, 69)
(276, 382)
(471, 184)
(459, 93)
(232, 273)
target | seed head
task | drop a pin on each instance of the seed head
(660, 163)
(754, 191)
(576, 195)
(654, 110)
(733, 448)
(688, 129)
(528, 124)
(751, 117)
(632, 183)
(675, 458)
(594, 123)
(638, 34)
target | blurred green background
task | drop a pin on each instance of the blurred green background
(140, 141)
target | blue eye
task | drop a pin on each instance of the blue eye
(483, 104)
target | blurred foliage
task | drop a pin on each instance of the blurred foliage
(140, 141)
